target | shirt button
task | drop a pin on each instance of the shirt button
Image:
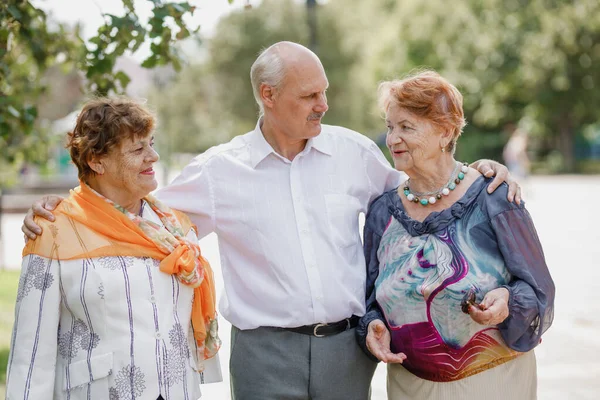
(152, 299)
(157, 335)
(319, 297)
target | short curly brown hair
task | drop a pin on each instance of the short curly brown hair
(103, 124)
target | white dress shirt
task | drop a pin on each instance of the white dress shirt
(288, 231)
(104, 328)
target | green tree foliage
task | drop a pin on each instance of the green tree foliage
(530, 61)
(121, 34)
(29, 46)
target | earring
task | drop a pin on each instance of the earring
(443, 149)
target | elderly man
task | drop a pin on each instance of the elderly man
(284, 201)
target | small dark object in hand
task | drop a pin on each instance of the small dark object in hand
(470, 300)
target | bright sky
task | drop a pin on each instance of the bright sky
(89, 12)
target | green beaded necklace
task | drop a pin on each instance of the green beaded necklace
(427, 198)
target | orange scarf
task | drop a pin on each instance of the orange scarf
(88, 225)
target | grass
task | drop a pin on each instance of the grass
(9, 281)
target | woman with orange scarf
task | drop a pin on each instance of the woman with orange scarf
(115, 299)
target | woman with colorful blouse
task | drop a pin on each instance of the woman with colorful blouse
(458, 291)
(115, 300)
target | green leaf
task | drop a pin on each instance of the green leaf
(123, 79)
(150, 62)
(14, 11)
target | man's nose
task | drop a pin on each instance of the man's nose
(322, 104)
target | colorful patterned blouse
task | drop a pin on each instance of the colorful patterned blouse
(418, 273)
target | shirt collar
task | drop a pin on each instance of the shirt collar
(321, 143)
(260, 148)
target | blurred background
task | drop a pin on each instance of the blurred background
(529, 71)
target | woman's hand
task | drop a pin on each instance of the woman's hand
(494, 308)
(378, 343)
(489, 168)
(41, 208)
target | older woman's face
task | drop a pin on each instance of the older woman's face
(412, 141)
(128, 167)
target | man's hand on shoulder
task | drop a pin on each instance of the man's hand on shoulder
(489, 168)
(42, 208)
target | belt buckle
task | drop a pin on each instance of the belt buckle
(317, 326)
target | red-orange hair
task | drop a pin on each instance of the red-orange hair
(427, 95)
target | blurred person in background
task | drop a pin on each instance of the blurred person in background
(458, 291)
(515, 152)
(115, 300)
(284, 201)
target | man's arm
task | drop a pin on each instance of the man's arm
(193, 193)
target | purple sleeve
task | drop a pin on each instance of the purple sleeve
(374, 223)
(531, 303)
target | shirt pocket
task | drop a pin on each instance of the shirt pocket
(81, 372)
(342, 212)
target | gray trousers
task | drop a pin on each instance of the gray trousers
(276, 364)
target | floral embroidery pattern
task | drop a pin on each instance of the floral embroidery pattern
(79, 338)
(66, 348)
(177, 355)
(34, 277)
(130, 383)
(177, 337)
(54, 230)
(114, 263)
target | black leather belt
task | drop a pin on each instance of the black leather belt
(322, 330)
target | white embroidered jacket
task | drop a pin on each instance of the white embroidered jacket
(110, 328)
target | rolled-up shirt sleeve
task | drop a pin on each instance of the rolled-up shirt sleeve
(192, 192)
(531, 303)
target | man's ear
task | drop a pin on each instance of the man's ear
(267, 95)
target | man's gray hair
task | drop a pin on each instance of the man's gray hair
(268, 69)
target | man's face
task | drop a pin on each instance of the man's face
(300, 103)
